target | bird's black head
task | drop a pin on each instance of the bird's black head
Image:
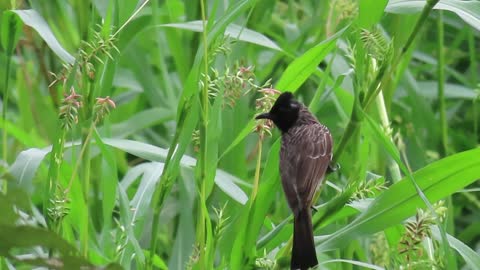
(284, 112)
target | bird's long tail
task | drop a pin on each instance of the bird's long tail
(303, 251)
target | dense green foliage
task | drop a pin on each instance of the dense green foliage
(128, 137)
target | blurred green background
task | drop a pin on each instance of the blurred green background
(128, 139)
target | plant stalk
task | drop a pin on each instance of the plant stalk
(423, 17)
(441, 84)
(382, 111)
(202, 221)
(4, 118)
(473, 74)
(86, 167)
(256, 180)
(371, 94)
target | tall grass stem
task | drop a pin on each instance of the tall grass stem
(441, 83)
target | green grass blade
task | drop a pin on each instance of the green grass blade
(232, 30)
(437, 180)
(471, 257)
(31, 18)
(469, 11)
(301, 68)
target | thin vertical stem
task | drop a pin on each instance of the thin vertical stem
(441, 83)
(443, 123)
(205, 61)
(423, 17)
(4, 117)
(475, 117)
(257, 169)
(473, 74)
(131, 17)
(382, 111)
(202, 222)
(86, 188)
(86, 166)
(352, 126)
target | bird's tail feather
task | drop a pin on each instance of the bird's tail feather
(303, 251)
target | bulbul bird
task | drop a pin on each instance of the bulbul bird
(305, 155)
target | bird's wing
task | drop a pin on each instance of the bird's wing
(304, 160)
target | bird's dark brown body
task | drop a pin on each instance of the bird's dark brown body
(305, 155)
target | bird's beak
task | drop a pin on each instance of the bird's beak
(263, 116)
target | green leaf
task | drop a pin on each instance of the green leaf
(144, 192)
(387, 142)
(26, 138)
(301, 68)
(10, 203)
(250, 221)
(469, 11)
(109, 182)
(223, 180)
(10, 31)
(452, 91)
(185, 235)
(471, 257)
(400, 201)
(25, 236)
(31, 18)
(140, 121)
(226, 182)
(213, 134)
(126, 219)
(26, 165)
(14, 237)
(247, 130)
(157, 261)
(370, 12)
(232, 30)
